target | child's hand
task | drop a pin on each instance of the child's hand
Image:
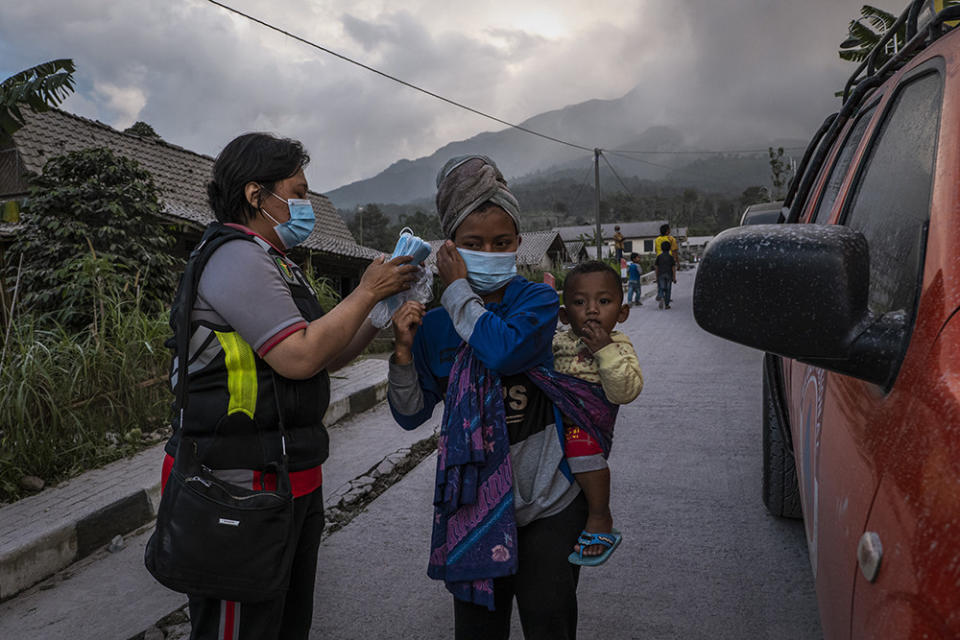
(594, 336)
(450, 264)
(406, 321)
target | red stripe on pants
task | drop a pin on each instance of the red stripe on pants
(229, 622)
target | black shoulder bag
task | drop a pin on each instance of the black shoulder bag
(213, 538)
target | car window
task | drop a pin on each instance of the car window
(891, 202)
(839, 171)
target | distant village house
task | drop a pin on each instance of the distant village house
(638, 237)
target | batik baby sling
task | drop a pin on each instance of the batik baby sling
(474, 529)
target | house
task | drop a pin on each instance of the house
(638, 236)
(181, 177)
(577, 250)
(542, 250)
(695, 245)
(538, 250)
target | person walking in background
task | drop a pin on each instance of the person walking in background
(666, 268)
(666, 237)
(633, 280)
(618, 244)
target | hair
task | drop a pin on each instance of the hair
(664, 229)
(252, 157)
(634, 256)
(592, 266)
(665, 245)
(616, 228)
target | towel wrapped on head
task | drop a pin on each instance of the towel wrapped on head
(466, 182)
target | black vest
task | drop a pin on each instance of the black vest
(233, 401)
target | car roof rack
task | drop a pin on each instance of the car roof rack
(918, 37)
(865, 79)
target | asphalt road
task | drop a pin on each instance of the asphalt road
(700, 557)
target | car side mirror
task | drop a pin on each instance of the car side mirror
(799, 291)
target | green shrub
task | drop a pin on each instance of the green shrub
(92, 202)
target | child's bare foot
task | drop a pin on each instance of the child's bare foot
(596, 523)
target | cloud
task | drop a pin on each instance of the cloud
(127, 102)
(201, 76)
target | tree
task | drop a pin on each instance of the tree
(423, 225)
(93, 224)
(40, 88)
(781, 170)
(142, 129)
(371, 227)
(865, 32)
(753, 195)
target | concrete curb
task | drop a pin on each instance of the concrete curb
(47, 532)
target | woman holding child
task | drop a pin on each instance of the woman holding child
(507, 509)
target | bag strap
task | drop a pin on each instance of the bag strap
(215, 235)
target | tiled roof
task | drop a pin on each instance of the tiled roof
(649, 228)
(535, 245)
(532, 249)
(181, 175)
(573, 248)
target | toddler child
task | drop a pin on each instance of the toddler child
(593, 351)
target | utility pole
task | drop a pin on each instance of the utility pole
(596, 185)
(360, 213)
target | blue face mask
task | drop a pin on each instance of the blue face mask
(487, 271)
(300, 225)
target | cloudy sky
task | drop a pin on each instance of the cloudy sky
(200, 75)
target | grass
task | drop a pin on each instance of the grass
(74, 401)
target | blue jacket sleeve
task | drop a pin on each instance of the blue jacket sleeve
(429, 360)
(517, 335)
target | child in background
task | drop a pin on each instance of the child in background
(593, 351)
(633, 280)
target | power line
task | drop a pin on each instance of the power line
(700, 152)
(625, 187)
(583, 183)
(395, 79)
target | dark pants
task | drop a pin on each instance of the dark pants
(664, 287)
(287, 617)
(545, 586)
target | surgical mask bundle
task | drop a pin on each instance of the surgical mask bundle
(300, 225)
(487, 271)
(421, 291)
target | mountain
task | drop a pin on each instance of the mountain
(613, 125)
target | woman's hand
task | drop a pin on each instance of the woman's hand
(406, 321)
(450, 264)
(384, 278)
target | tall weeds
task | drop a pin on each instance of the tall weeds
(72, 401)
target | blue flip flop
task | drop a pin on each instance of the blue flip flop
(609, 540)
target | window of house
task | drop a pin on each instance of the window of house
(891, 201)
(648, 246)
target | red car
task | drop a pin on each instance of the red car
(856, 300)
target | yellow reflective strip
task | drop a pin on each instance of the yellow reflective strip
(241, 373)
